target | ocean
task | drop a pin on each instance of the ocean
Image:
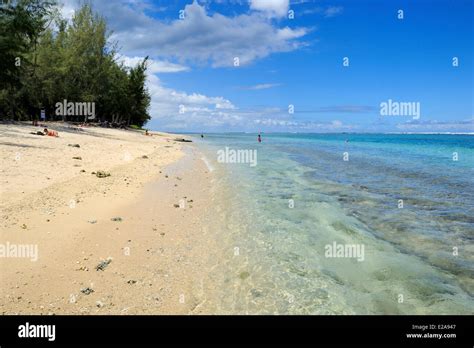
(343, 223)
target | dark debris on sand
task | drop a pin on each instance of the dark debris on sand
(103, 264)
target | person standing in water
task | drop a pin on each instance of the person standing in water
(259, 138)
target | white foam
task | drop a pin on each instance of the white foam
(208, 165)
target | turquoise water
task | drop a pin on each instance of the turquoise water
(404, 198)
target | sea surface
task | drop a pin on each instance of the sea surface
(408, 199)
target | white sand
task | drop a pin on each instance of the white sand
(161, 254)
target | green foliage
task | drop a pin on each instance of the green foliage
(46, 60)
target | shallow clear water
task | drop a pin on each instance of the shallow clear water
(309, 191)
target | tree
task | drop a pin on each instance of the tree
(21, 24)
(140, 98)
(72, 61)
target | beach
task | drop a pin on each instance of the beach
(134, 242)
(299, 224)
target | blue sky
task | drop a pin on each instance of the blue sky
(195, 85)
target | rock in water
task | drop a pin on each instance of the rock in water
(244, 275)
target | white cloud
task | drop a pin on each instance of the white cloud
(199, 38)
(154, 66)
(262, 86)
(166, 104)
(290, 34)
(275, 122)
(329, 11)
(174, 45)
(364, 109)
(67, 8)
(271, 8)
(332, 11)
(466, 126)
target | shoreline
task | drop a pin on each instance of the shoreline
(154, 258)
(175, 232)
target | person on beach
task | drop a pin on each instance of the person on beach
(50, 133)
(38, 133)
(259, 138)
